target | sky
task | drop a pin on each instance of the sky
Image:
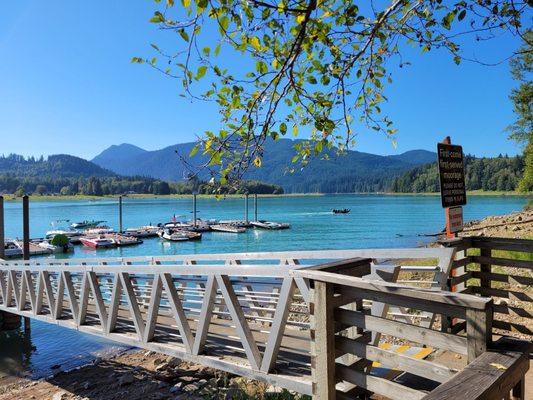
(67, 86)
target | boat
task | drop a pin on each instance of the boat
(35, 249)
(261, 224)
(238, 223)
(11, 250)
(178, 235)
(85, 224)
(59, 228)
(98, 230)
(97, 242)
(341, 211)
(47, 244)
(123, 240)
(228, 228)
(146, 231)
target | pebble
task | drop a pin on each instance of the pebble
(60, 396)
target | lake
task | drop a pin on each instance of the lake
(374, 221)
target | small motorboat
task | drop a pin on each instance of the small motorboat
(341, 211)
(270, 225)
(98, 242)
(11, 250)
(228, 228)
(146, 231)
(59, 228)
(237, 223)
(47, 244)
(123, 240)
(98, 230)
(178, 235)
(85, 224)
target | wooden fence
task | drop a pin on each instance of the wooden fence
(502, 269)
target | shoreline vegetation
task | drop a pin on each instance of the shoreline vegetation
(82, 197)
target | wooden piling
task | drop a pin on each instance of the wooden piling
(120, 214)
(26, 227)
(255, 207)
(194, 208)
(2, 233)
(246, 207)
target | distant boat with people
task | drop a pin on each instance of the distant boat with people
(341, 211)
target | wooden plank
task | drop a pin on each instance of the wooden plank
(503, 262)
(490, 377)
(505, 278)
(391, 359)
(391, 291)
(503, 293)
(478, 332)
(356, 266)
(512, 327)
(241, 325)
(382, 386)
(415, 333)
(278, 326)
(520, 245)
(206, 313)
(133, 304)
(153, 308)
(177, 310)
(324, 376)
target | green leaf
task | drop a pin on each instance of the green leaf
(137, 60)
(448, 19)
(206, 51)
(217, 49)
(194, 150)
(224, 24)
(184, 35)
(261, 67)
(202, 69)
(256, 44)
(295, 130)
(186, 3)
(461, 15)
(311, 79)
(283, 128)
(170, 3)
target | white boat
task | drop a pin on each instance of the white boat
(179, 235)
(270, 225)
(46, 244)
(228, 228)
(85, 224)
(146, 231)
(99, 230)
(59, 228)
(97, 242)
(11, 250)
(238, 223)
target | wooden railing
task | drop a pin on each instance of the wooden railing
(502, 269)
(346, 334)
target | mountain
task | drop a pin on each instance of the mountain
(117, 155)
(353, 172)
(59, 165)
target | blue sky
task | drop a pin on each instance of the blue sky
(67, 86)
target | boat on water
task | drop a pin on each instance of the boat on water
(85, 224)
(179, 235)
(341, 210)
(123, 240)
(47, 244)
(98, 230)
(228, 228)
(98, 242)
(59, 228)
(11, 250)
(146, 231)
(270, 225)
(238, 223)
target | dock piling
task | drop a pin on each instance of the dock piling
(26, 227)
(120, 214)
(246, 207)
(255, 207)
(2, 233)
(194, 209)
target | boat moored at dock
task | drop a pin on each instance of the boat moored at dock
(270, 225)
(98, 242)
(179, 235)
(85, 224)
(143, 232)
(228, 228)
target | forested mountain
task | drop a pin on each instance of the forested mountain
(69, 175)
(500, 173)
(353, 172)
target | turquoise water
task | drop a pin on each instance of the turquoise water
(374, 221)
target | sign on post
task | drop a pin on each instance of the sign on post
(455, 218)
(452, 175)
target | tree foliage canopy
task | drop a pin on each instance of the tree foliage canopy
(317, 65)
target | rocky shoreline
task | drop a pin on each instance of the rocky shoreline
(514, 225)
(141, 375)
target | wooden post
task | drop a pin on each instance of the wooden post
(449, 233)
(25, 227)
(2, 233)
(485, 282)
(323, 362)
(194, 208)
(478, 331)
(120, 230)
(246, 207)
(255, 207)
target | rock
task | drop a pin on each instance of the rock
(62, 395)
(188, 379)
(234, 393)
(191, 388)
(516, 228)
(158, 361)
(161, 367)
(176, 388)
(88, 385)
(126, 379)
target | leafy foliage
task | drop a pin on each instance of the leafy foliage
(319, 66)
(501, 173)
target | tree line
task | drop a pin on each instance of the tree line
(501, 173)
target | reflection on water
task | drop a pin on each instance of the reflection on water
(15, 353)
